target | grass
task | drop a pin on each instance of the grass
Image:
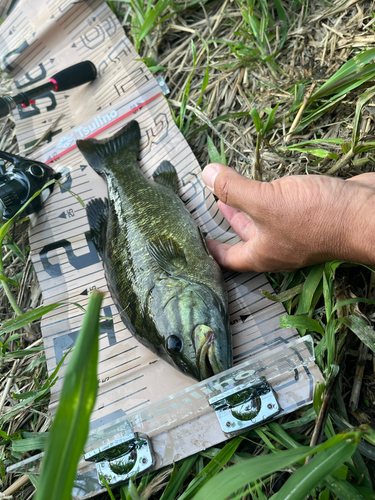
(242, 78)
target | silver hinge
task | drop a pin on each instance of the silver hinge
(122, 458)
(245, 406)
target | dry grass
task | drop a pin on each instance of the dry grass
(316, 46)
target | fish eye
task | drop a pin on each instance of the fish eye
(174, 344)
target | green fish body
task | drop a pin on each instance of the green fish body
(168, 289)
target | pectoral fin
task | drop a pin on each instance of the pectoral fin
(168, 254)
(166, 175)
(97, 214)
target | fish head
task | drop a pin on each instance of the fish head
(194, 329)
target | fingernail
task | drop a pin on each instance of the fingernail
(209, 175)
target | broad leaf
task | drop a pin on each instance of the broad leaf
(361, 329)
(309, 476)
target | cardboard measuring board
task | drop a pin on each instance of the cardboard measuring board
(38, 39)
(134, 384)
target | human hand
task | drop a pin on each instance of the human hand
(294, 221)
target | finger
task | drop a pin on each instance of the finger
(234, 257)
(239, 222)
(368, 179)
(236, 190)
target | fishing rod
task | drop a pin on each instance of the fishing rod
(67, 79)
(25, 177)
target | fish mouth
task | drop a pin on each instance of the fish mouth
(204, 339)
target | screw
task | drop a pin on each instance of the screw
(144, 460)
(270, 406)
(228, 424)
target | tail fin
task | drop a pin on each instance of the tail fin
(97, 152)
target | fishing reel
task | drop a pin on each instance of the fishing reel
(19, 181)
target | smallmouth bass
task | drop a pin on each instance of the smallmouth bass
(168, 289)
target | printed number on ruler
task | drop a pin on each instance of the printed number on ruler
(12, 67)
(120, 50)
(77, 261)
(156, 133)
(136, 79)
(35, 75)
(95, 37)
(195, 189)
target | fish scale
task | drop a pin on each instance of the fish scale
(168, 289)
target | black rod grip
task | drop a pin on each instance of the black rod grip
(74, 76)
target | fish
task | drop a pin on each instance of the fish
(167, 287)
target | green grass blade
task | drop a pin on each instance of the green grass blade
(185, 96)
(284, 296)
(26, 318)
(270, 120)
(317, 113)
(351, 82)
(330, 341)
(30, 444)
(307, 417)
(109, 491)
(211, 469)
(320, 153)
(20, 353)
(213, 153)
(71, 424)
(9, 281)
(243, 473)
(281, 13)
(15, 248)
(256, 119)
(350, 68)
(346, 302)
(309, 476)
(133, 491)
(311, 284)
(343, 489)
(361, 329)
(151, 18)
(281, 436)
(222, 152)
(207, 72)
(222, 118)
(178, 477)
(363, 99)
(364, 147)
(318, 396)
(301, 322)
(335, 140)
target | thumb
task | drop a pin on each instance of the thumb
(235, 190)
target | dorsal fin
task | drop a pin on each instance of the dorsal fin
(97, 152)
(166, 175)
(97, 214)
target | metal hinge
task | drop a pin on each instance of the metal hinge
(122, 458)
(245, 405)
